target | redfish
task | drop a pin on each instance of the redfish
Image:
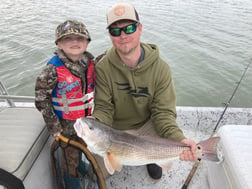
(120, 148)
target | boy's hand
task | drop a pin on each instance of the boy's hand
(58, 133)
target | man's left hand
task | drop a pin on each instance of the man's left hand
(189, 155)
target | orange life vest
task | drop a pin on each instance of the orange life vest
(68, 100)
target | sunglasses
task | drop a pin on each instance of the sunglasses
(127, 30)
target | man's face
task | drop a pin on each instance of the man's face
(126, 43)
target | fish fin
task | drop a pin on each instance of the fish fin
(112, 163)
(132, 132)
(108, 166)
(166, 166)
(208, 149)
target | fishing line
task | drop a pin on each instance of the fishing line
(196, 164)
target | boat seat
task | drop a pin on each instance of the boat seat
(235, 171)
(23, 134)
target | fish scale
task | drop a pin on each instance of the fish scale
(146, 151)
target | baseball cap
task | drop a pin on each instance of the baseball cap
(71, 27)
(121, 11)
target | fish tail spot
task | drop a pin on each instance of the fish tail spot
(208, 149)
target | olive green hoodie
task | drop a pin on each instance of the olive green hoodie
(126, 98)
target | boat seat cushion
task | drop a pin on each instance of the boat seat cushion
(22, 135)
(235, 171)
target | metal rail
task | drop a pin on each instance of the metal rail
(3, 91)
(13, 97)
(9, 98)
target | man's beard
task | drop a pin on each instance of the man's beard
(126, 51)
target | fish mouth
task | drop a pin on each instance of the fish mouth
(78, 129)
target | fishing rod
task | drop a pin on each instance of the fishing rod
(196, 164)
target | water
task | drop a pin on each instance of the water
(207, 43)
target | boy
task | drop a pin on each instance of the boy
(65, 88)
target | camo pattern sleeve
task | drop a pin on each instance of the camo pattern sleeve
(45, 84)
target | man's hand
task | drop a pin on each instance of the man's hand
(189, 155)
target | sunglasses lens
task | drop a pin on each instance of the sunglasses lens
(115, 31)
(127, 30)
(130, 29)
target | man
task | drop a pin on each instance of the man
(134, 87)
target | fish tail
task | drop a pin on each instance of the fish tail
(209, 149)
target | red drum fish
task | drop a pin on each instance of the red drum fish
(120, 148)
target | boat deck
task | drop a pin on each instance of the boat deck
(197, 123)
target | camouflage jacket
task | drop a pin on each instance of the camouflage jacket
(45, 84)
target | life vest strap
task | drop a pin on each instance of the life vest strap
(65, 104)
(69, 101)
(66, 109)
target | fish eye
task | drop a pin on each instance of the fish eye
(199, 148)
(91, 128)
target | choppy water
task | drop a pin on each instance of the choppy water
(207, 43)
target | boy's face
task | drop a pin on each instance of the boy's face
(73, 45)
